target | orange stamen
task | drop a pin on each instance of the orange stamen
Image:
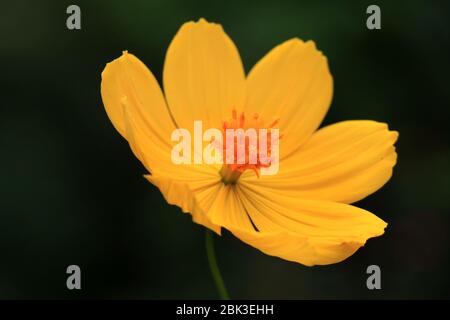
(230, 172)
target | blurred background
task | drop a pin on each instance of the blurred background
(72, 192)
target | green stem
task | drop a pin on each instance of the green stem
(209, 240)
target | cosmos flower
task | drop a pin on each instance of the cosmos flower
(300, 214)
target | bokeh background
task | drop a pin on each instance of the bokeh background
(71, 191)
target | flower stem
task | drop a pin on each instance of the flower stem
(210, 252)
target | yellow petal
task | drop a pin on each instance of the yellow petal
(203, 75)
(210, 202)
(192, 196)
(136, 107)
(293, 247)
(227, 209)
(127, 83)
(135, 104)
(291, 83)
(305, 231)
(343, 162)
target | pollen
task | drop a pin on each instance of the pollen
(251, 147)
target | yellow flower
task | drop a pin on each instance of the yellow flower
(300, 214)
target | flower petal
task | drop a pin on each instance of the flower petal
(343, 162)
(300, 230)
(136, 107)
(127, 83)
(191, 195)
(210, 202)
(296, 248)
(306, 231)
(291, 83)
(203, 75)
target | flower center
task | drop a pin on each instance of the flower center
(250, 147)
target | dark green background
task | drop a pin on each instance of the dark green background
(71, 191)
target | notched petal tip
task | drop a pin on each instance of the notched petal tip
(308, 44)
(395, 135)
(205, 23)
(391, 135)
(109, 65)
(201, 23)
